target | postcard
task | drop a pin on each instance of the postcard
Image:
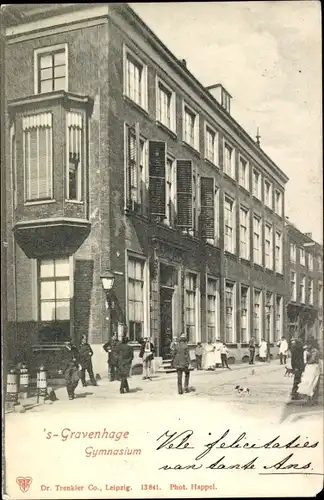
(161, 250)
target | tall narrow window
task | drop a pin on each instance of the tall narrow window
(243, 173)
(310, 291)
(293, 288)
(257, 247)
(293, 252)
(302, 260)
(278, 202)
(269, 316)
(75, 156)
(211, 149)
(191, 307)
(136, 171)
(13, 162)
(268, 249)
(38, 156)
(170, 192)
(257, 317)
(279, 317)
(268, 194)
(229, 160)
(229, 222)
(278, 252)
(245, 326)
(244, 233)
(51, 69)
(165, 106)
(310, 261)
(54, 289)
(135, 79)
(135, 299)
(230, 312)
(212, 309)
(302, 291)
(191, 127)
(256, 184)
(320, 294)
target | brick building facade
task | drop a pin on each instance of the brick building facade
(121, 160)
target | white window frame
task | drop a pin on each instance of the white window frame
(186, 106)
(49, 49)
(233, 242)
(217, 307)
(302, 256)
(215, 240)
(246, 183)
(197, 304)
(320, 294)
(310, 261)
(143, 203)
(258, 339)
(143, 81)
(172, 126)
(271, 333)
(268, 199)
(146, 286)
(233, 335)
(247, 235)
(259, 219)
(258, 193)
(227, 144)
(293, 251)
(173, 191)
(268, 265)
(81, 188)
(302, 289)
(248, 319)
(209, 129)
(70, 279)
(278, 262)
(310, 291)
(293, 286)
(279, 203)
(279, 305)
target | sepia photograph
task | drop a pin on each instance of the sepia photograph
(161, 250)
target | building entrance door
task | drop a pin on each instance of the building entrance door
(166, 309)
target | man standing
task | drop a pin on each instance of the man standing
(147, 355)
(125, 355)
(181, 362)
(251, 350)
(71, 369)
(85, 355)
(283, 350)
(199, 351)
(297, 364)
(111, 348)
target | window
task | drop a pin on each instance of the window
(136, 298)
(74, 141)
(170, 192)
(244, 314)
(136, 171)
(269, 316)
(230, 312)
(229, 160)
(310, 261)
(54, 289)
(267, 194)
(135, 79)
(191, 307)
(38, 157)
(257, 319)
(278, 202)
(279, 317)
(212, 310)
(13, 163)
(243, 173)
(310, 291)
(226, 100)
(320, 263)
(190, 127)
(268, 246)
(320, 294)
(302, 289)
(293, 288)
(302, 256)
(211, 145)
(165, 100)
(278, 252)
(51, 73)
(256, 184)
(229, 222)
(244, 233)
(257, 247)
(293, 252)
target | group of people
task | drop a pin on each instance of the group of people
(211, 356)
(305, 363)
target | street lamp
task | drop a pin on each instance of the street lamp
(107, 281)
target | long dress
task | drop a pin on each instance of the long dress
(217, 353)
(311, 374)
(263, 349)
(208, 358)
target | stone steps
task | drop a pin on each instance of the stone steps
(166, 367)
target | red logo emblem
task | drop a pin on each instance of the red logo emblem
(24, 483)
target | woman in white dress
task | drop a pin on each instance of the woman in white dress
(217, 352)
(309, 385)
(208, 357)
(263, 350)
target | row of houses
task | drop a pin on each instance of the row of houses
(119, 163)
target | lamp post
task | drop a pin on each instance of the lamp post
(107, 281)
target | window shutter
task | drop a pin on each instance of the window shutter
(43, 170)
(157, 161)
(184, 194)
(33, 165)
(207, 203)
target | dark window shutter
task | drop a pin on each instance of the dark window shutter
(207, 202)
(157, 160)
(184, 194)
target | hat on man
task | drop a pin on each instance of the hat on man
(183, 337)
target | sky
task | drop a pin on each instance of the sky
(268, 56)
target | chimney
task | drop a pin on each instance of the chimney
(183, 62)
(309, 235)
(222, 96)
(258, 137)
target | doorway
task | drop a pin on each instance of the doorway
(166, 309)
